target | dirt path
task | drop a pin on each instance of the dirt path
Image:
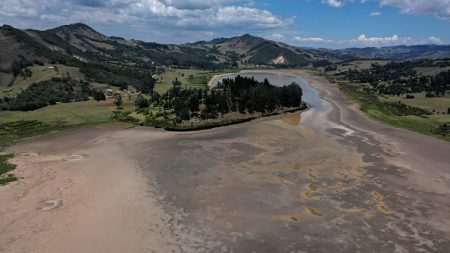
(326, 180)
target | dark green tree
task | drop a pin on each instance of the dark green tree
(118, 101)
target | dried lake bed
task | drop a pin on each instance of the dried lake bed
(327, 179)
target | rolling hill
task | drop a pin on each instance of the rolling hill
(256, 50)
(398, 53)
(83, 43)
(123, 62)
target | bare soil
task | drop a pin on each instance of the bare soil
(326, 180)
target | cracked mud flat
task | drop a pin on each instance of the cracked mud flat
(326, 180)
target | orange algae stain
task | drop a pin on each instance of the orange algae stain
(280, 180)
(292, 119)
(378, 199)
(313, 212)
(342, 175)
(290, 218)
(308, 191)
(383, 208)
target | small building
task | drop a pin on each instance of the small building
(109, 92)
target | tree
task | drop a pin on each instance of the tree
(443, 130)
(176, 87)
(141, 102)
(98, 95)
(118, 101)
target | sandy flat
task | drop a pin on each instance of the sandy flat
(326, 180)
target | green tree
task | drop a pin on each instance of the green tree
(141, 102)
(98, 95)
(118, 101)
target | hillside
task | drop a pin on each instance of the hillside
(248, 49)
(121, 62)
(398, 53)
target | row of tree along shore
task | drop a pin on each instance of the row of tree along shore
(232, 101)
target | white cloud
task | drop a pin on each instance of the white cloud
(378, 41)
(23, 8)
(278, 36)
(439, 8)
(310, 39)
(435, 40)
(364, 41)
(375, 14)
(190, 15)
(193, 4)
(334, 3)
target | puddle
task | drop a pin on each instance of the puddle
(73, 158)
(49, 205)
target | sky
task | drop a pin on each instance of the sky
(306, 23)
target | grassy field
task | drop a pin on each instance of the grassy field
(78, 113)
(437, 105)
(40, 73)
(5, 169)
(430, 71)
(360, 64)
(188, 77)
(377, 110)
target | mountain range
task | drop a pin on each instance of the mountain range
(81, 46)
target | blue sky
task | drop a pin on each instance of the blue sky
(313, 23)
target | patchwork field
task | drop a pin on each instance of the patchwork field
(190, 78)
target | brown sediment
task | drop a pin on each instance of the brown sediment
(378, 199)
(292, 119)
(349, 210)
(309, 190)
(280, 180)
(342, 175)
(311, 174)
(313, 212)
(290, 218)
(383, 208)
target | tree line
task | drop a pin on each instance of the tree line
(241, 94)
(397, 78)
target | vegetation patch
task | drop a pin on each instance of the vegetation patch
(401, 94)
(190, 78)
(16, 130)
(187, 109)
(398, 114)
(47, 93)
(6, 169)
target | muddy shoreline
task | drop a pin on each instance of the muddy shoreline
(327, 179)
